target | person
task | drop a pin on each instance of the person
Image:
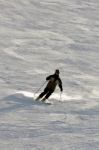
(53, 81)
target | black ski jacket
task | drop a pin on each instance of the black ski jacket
(54, 80)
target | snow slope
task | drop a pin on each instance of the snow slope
(36, 37)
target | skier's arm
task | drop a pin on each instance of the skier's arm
(60, 85)
(48, 78)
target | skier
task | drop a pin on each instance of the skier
(53, 81)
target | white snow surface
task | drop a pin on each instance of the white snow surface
(37, 37)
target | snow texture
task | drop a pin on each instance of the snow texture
(37, 37)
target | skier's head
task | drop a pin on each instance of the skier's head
(57, 71)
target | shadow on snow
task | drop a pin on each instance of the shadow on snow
(16, 101)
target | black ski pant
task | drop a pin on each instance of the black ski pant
(47, 92)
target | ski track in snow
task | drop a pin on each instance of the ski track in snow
(36, 37)
(12, 53)
(69, 121)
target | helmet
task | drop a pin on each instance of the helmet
(57, 71)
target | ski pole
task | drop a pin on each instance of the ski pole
(61, 96)
(39, 88)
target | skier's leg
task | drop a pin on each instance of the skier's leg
(47, 95)
(42, 94)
